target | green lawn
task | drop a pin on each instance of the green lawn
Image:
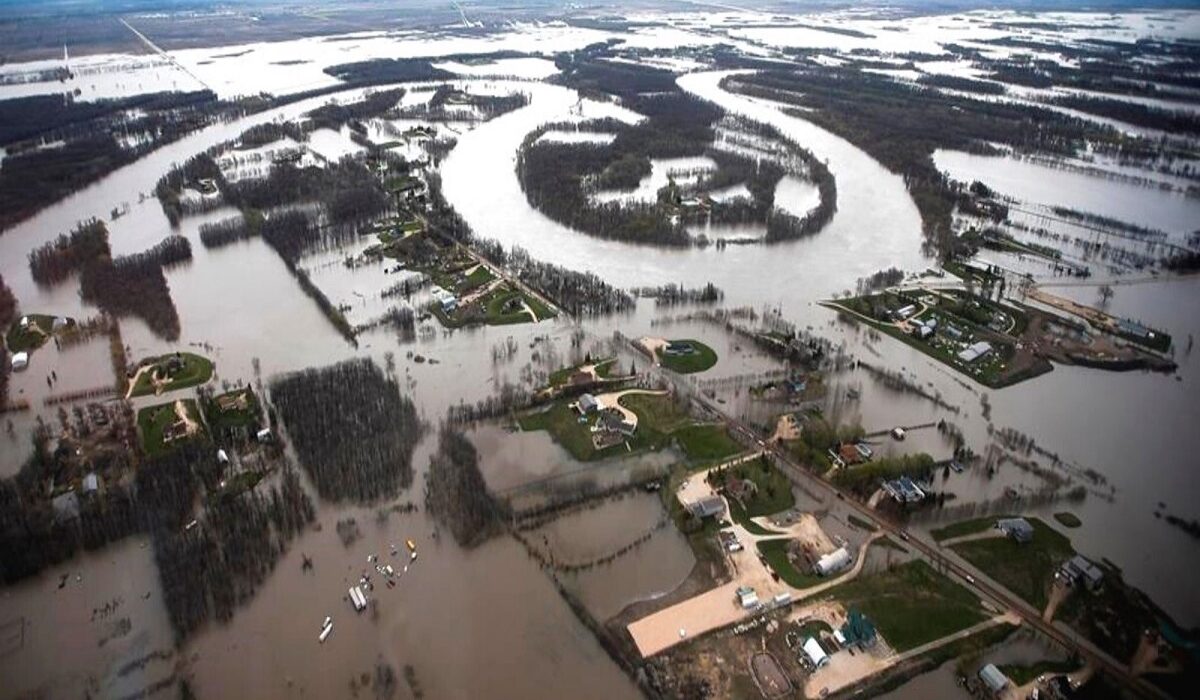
(236, 419)
(775, 552)
(911, 604)
(154, 420)
(40, 330)
(967, 527)
(774, 494)
(658, 412)
(196, 370)
(658, 418)
(478, 277)
(706, 442)
(1027, 569)
(703, 358)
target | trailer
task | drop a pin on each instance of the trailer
(325, 632)
(358, 599)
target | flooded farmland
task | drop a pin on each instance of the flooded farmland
(496, 620)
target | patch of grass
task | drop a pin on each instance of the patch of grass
(862, 523)
(1068, 519)
(478, 277)
(775, 552)
(911, 604)
(967, 527)
(706, 442)
(659, 412)
(193, 371)
(563, 425)
(739, 516)
(153, 422)
(39, 331)
(1020, 674)
(1025, 568)
(774, 490)
(889, 543)
(702, 358)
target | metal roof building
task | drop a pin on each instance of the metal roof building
(814, 652)
(707, 507)
(833, 562)
(1017, 528)
(993, 678)
(975, 351)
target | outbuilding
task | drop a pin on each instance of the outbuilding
(588, 403)
(1018, 529)
(20, 361)
(993, 678)
(707, 507)
(815, 653)
(833, 562)
(975, 352)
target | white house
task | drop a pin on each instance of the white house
(20, 361)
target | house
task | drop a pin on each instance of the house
(263, 436)
(707, 507)
(580, 378)
(904, 312)
(587, 404)
(1018, 529)
(815, 653)
(1078, 570)
(20, 361)
(858, 630)
(747, 598)
(904, 490)
(923, 331)
(65, 506)
(975, 351)
(59, 323)
(741, 489)
(833, 562)
(679, 349)
(993, 679)
(614, 421)
(848, 454)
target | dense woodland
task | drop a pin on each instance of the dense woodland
(96, 138)
(456, 493)
(353, 430)
(132, 285)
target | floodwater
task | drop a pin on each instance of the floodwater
(1173, 212)
(488, 621)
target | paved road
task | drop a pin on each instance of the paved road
(943, 561)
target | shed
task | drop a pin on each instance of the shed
(91, 483)
(707, 507)
(747, 597)
(222, 456)
(588, 403)
(833, 562)
(1017, 528)
(993, 678)
(815, 653)
(264, 435)
(975, 351)
(20, 361)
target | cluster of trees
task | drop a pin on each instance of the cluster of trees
(863, 479)
(208, 571)
(955, 82)
(270, 132)
(456, 493)
(92, 141)
(335, 116)
(1169, 120)
(388, 70)
(221, 233)
(170, 186)
(352, 429)
(57, 260)
(129, 285)
(674, 295)
(880, 279)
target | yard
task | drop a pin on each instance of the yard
(967, 527)
(659, 417)
(154, 423)
(1025, 568)
(39, 330)
(706, 443)
(233, 414)
(170, 372)
(775, 552)
(699, 358)
(772, 491)
(911, 604)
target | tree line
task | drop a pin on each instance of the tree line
(456, 494)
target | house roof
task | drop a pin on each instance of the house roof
(993, 678)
